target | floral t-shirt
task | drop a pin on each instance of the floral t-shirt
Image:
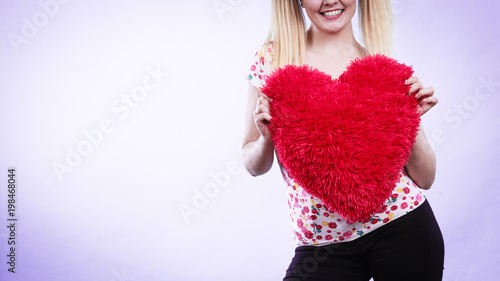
(312, 222)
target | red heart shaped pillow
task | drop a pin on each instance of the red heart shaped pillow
(345, 141)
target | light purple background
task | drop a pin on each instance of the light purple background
(116, 215)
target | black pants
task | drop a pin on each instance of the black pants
(408, 248)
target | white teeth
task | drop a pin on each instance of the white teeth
(333, 13)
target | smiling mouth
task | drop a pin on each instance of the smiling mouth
(330, 14)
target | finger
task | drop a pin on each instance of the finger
(260, 94)
(415, 87)
(261, 109)
(263, 117)
(264, 102)
(426, 104)
(432, 101)
(411, 80)
(425, 93)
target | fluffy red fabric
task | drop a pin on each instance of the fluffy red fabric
(346, 140)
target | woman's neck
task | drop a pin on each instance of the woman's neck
(338, 44)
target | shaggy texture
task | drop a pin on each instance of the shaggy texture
(346, 140)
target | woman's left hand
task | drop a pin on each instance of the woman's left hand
(425, 96)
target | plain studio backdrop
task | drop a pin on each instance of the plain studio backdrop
(123, 121)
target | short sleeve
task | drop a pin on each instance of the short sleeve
(262, 66)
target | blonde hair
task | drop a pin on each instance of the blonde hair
(288, 29)
(377, 23)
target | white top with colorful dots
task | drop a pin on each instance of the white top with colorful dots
(312, 222)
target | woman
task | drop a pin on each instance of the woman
(402, 241)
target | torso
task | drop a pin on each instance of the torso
(312, 222)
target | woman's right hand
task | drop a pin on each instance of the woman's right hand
(257, 147)
(262, 115)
